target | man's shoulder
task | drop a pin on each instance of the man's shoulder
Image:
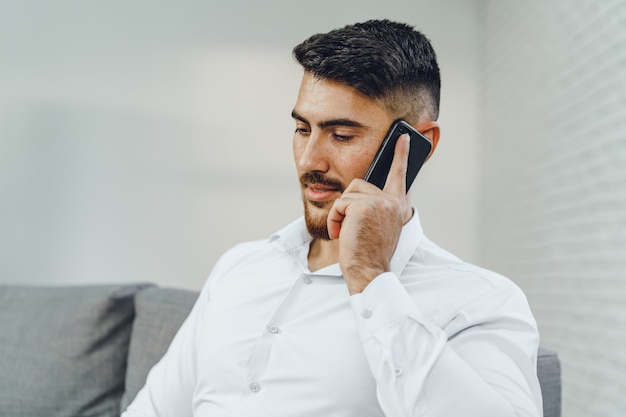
(489, 278)
(242, 251)
(456, 294)
(456, 280)
(434, 258)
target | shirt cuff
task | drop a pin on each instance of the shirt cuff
(383, 302)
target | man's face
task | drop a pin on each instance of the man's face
(338, 131)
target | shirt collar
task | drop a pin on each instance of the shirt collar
(295, 240)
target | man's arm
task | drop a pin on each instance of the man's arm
(483, 364)
(484, 370)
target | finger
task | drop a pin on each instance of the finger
(360, 186)
(335, 217)
(396, 180)
(339, 210)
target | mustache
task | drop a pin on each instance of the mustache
(317, 178)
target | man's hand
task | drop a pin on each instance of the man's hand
(368, 221)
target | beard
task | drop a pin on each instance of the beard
(317, 224)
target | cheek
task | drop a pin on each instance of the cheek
(357, 164)
(297, 152)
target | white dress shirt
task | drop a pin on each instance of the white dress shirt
(268, 337)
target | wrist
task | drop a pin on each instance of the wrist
(358, 277)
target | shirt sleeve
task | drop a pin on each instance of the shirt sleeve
(171, 381)
(483, 364)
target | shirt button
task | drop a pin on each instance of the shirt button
(254, 387)
(273, 329)
(366, 313)
(398, 371)
(308, 279)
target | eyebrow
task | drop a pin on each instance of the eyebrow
(329, 123)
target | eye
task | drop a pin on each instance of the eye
(302, 131)
(343, 138)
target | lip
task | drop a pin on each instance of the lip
(320, 193)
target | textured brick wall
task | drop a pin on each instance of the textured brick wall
(553, 181)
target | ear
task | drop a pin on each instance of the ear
(431, 131)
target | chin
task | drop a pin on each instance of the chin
(315, 216)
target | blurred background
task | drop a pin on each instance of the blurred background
(139, 140)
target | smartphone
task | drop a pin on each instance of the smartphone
(420, 148)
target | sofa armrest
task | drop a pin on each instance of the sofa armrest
(549, 372)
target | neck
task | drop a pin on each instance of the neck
(323, 253)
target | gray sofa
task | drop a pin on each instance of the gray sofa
(86, 350)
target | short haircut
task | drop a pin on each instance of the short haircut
(389, 62)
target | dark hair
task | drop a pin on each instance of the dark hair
(387, 61)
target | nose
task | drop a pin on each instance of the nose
(311, 153)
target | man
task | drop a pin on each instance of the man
(352, 311)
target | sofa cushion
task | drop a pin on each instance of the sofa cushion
(159, 314)
(63, 349)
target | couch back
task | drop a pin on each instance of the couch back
(63, 350)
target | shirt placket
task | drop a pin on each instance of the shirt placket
(255, 383)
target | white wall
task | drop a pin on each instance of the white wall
(139, 140)
(553, 181)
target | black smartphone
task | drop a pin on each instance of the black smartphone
(419, 151)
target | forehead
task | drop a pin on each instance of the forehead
(321, 99)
